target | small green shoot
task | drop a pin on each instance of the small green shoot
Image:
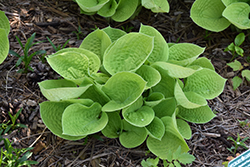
(150, 162)
(244, 123)
(26, 58)
(79, 33)
(237, 144)
(127, 29)
(59, 47)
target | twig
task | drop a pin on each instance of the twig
(38, 137)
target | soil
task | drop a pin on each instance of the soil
(60, 21)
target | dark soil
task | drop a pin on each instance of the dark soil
(58, 20)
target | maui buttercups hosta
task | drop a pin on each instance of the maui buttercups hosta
(130, 86)
(4, 41)
(217, 15)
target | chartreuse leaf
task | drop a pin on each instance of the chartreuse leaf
(238, 14)
(114, 33)
(246, 73)
(188, 99)
(197, 115)
(171, 140)
(51, 113)
(150, 162)
(165, 107)
(132, 136)
(96, 42)
(150, 75)
(156, 5)
(156, 128)
(202, 62)
(236, 65)
(108, 9)
(236, 82)
(125, 10)
(161, 50)
(78, 119)
(228, 2)
(4, 23)
(114, 127)
(208, 15)
(123, 89)
(175, 71)
(154, 99)
(4, 45)
(184, 53)
(184, 128)
(91, 5)
(206, 83)
(128, 53)
(57, 90)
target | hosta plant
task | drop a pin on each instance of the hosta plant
(130, 86)
(217, 15)
(4, 41)
(120, 10)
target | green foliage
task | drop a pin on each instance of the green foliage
(237, 143)
(26, 58)
(121, 10)
(14, 157)
(79, 34)
(217, 15)
(59, 47)
(150, 162)
(244, 123)
(4, 31)
(130, 86)
(234, 47)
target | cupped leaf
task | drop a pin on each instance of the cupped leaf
(238, 14)
(108, 9)
(123, 89)
(96, 42)
(184, 128)
(165, 108)
(51, 114)
(57, 90)
(184, 53)
(197, 115)
(125, 10)
(114, 127)
(128, 53)
(208, 15)
(154, 99)
(150, 75)
(78, 119)
(161, 50)
(114, 33)
(91, 5)
(4, 23)
(156, 128)
(206, 83)
(203, 62)
(132, 136)
(4, 45)
(156, 5)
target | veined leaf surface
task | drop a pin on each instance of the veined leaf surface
(203, 62)
(4, 23)
(4, 45)
(156, 128)
(156, 5)
(184, 128)
(114, 127)
(108, 9)
(228, 2)
(114, 33)
(91, 5)
(165, 108)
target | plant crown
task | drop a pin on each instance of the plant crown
(130, 86)
(4, 41)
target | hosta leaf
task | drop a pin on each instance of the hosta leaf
(108, 9)
(203, 62)
(128, 53)
(91, 5)
(156, 5)
(161, 50)
(123, 89)
(238, 14)
(206, 83)
(4, 23)
(174, 70)
(184, 53)
(132, 136)
(246, 73)
(236, 82)
(51, 113)
(169, 142)
(236, 65)
(197, 115)
(125, 10)
(184, 128)
(57, 90)
(96, 42)
(165, 107)
(114, 126)
(154, 99)
(208, 15)
(150, 75)
(156, 128)
(114, 33)
(228, 2)
(140, 117)
(78, 119)
(4, 45)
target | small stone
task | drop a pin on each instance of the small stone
(31, 103)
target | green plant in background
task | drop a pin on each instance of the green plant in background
(79, 33)
(14, 157)
(237, 143)
(244, 123)
(120, 10)
(26, 58)
(235, 48)
(217, 15)
(59, 47)
(4, 31)
(238, 67)
(130, 86)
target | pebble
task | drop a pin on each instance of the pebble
(31, 103)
